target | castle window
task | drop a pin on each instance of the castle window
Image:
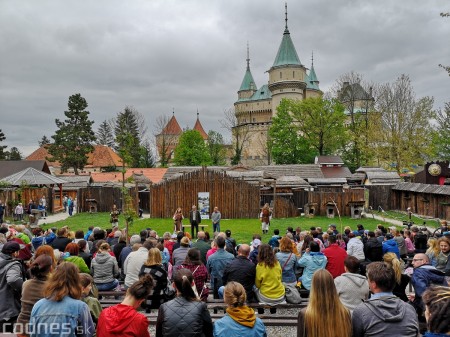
(254, 120)
(281, 74)
(293, 74)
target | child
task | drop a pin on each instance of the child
(94, 305)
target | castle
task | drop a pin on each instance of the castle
(254, 109)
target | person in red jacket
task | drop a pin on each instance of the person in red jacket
(123, 319)
(335, 256)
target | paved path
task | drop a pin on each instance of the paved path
(54, 218)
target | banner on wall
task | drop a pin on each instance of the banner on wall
(203, 204)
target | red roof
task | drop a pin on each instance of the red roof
(154, 174)
(172, 127)
(102, 156)
(198, 126)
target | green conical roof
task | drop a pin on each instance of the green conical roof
(287, 55)
(248, 83)
(313, 82)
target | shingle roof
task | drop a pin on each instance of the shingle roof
(291, 181)
(248, 83)
(423, 188)
(31, 176)
(41, 154)
(9, 167)
(300, 170)
(74, 182)
(336, 172)
(154, 175)
(172, 127)
(198, 126)
(327, 181)
(383, 178)
(324, 160)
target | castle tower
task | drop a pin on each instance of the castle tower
(287, 76)
(199, 127)
(312, 83)
(167, 140)
(248, 86)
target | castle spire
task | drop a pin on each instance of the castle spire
(248, 83)
(286, 30)
(312, 58)
(248, 56)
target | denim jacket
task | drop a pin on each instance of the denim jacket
(216, 265)
(288, 273)
(64, 318)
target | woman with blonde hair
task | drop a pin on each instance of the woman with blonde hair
(401, 280)
(324, 307)
(240, 320)
(288, 261)
(61, 312)
(153, 266)
(433, 250)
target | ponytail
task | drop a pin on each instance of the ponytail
(183, 282)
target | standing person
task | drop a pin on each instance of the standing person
(114, 216)
(70, 206)
(104, 269)
(11, 281)
(178, 220)
(195, 219)
(384, 314)
(33, 291)
(43, 202)
(437, 311)
(351, 286)
(153, 267)
(185, 315)
(269, 287)
(2, 211)
(199, 272)
(264, 217)
(18, 211)
(311, 320)
(65, 201)
(240, 320)
(215, 217)
(123, 319)
(61, 312)
(335, 257)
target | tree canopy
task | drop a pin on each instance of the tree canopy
(44, 141)
(2, 147)
(441, 136)
(191, 150)
(74, 137)
(105, 134)
(216, 148)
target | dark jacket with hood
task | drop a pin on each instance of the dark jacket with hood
(421, 279)
(385, 316)
(373, 250)
(122, 320)
(183, 318)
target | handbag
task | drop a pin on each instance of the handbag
(290, 291)
(169, 292)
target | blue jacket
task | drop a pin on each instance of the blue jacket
(390, 246)
(288, 273)
(424, 276)
(216, 265)
(311, 262)
(228, 327)
(51, 318)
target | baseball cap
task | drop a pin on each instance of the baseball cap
(10, 247)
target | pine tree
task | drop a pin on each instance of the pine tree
(127, 135)
(2, 147)
(105, 135)
(74, 137)
(44, 141)
(14, 154)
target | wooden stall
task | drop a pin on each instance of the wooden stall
(104, 197)
(339, 200)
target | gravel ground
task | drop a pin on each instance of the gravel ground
(272, 331)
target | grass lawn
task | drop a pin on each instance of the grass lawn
(241, 229)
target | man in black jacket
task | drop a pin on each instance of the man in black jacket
(373, 249)
(61, 240)
(195, 219)
(241, 270)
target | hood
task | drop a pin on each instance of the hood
(387, 308)
(119, 318)
(391, 243)
(243, 315)
(434, 275)
(317, 258)
(356, 279)
(102, 257)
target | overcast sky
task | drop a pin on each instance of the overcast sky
(186, 55)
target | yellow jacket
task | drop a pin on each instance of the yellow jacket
(268, 280)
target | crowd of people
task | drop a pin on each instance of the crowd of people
(51, 278)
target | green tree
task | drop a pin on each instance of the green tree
(44, 141)
(321, 122)
(191, 150)
(216, 148)
(146, 158)
(74, 137)
(405, 124)
(105, 135)
(240, 133)
(14, 154)
(2, 147)
(127, 137)
(287, 146)
(441, 138)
